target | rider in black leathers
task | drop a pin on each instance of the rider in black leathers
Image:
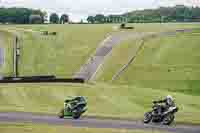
(169, 102)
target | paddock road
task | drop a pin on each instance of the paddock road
(93, 122)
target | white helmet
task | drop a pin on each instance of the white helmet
(169, 97)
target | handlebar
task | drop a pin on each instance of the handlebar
(154, 102)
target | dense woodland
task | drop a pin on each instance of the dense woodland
(177, 13)
(21, 15)
(28, 16)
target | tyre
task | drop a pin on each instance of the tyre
(61, 113)
(168, 119)
(76, 115)
(147, 117)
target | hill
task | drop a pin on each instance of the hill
(60, 55)
(161, 67)
(165, 62)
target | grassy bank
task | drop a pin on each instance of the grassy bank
(61, 55)
(167, 62)
(7, 41)
(165, 65)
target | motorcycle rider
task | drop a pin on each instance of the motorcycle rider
(169, 102)
(70, 104)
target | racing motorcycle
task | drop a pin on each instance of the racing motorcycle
(73, 107)
(160, 114)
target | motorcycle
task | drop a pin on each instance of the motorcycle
(160, 114)
(73, 107)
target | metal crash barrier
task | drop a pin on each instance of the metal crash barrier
(40, 79)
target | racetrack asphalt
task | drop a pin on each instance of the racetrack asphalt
(94, 122)
(89, 69)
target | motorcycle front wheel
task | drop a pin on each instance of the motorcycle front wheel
(168, 119)
(76, 115)
(147, 117)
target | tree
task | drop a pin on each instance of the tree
(35, 19)
(99, 18)
(64, 19)
(17, 15)
(91, 19)
(180, 9)
(44, 17)
(195, 14)
(54, 18)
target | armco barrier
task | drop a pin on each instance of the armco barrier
(30, 77)
(36, 79)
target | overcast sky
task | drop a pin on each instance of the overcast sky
(78, 9)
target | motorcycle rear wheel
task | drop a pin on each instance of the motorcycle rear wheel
(61, 113)
(168, 119)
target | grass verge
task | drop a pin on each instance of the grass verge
(61, 55)
(7, 41)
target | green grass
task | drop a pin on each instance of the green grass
(173, 60)
(103, 100)
(170, 63)
(30, 128)
(167, 60)
(166, 65)
(60, 55)
(118, 57)
(138, 27)
(160, 27)
(7, 41)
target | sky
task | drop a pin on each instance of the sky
(80, 9)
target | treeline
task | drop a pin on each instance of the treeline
(21, 15)
(179, 13)
(100, 18)
(55, 19)
(29, 16)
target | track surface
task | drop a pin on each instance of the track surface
(88, 70)
(93, 122)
